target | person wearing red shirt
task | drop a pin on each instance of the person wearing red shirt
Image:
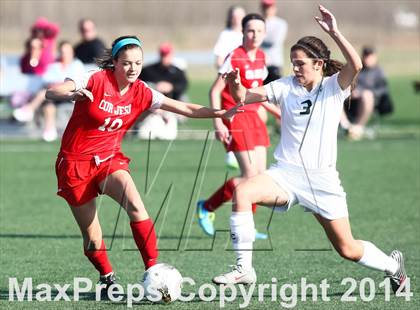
(48, 33)
(245, 135)
(90, 161)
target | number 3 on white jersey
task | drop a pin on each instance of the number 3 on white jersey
(115, 125)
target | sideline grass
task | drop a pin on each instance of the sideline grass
(39, 238)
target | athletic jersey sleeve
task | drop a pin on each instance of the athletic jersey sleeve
(332, 83)
(81, 81)
(157, 98)
(274, 91)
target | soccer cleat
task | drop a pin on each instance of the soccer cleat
(50, 135)
(23, 114)
(231, 161)
(398, 278)
(260, 235)
(108, 280)
(205, 218)
(237, 276)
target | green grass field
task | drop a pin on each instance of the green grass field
(39, 238)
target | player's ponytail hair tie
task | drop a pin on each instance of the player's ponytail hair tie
(120, 44)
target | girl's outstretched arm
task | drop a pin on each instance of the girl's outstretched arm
(353, 63)
(241, 94)
(195, 110)
(66, 91)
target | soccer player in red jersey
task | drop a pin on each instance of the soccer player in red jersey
(245, 135)
(90, 161)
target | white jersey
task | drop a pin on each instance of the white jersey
(276, 30)
(319, 148)
(227, 41)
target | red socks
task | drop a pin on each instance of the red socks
(99, 259)
(145, 238)
(223, 194)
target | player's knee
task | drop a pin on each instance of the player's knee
(136, 211)
(348, 252)
(242, 193)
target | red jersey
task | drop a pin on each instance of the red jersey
(98, 127)
(252, 74)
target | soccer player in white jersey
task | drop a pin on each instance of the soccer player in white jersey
(311, 102)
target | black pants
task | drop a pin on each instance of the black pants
(383, 106)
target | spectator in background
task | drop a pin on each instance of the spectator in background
(90, 47)
(370, 94)
(33, 60)
(231, 37)
(40, 47)
(416, 85)
(65, 66)
(169, 80)
(33, 65)
(39, 53)
(272, 46)
(47, 32)
(166, 77)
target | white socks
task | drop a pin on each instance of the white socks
(242, 232)
(376, 259)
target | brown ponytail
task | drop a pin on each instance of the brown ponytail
(332, 66)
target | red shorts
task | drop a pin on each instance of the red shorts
(78, 179)
(247, 131)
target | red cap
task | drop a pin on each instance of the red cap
(268, 2)
(165, 48)
(41, 22)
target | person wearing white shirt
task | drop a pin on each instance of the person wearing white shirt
(311, 102)
(231, 37)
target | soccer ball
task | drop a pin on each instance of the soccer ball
(162, 282)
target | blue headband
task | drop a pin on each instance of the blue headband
(124, 42)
